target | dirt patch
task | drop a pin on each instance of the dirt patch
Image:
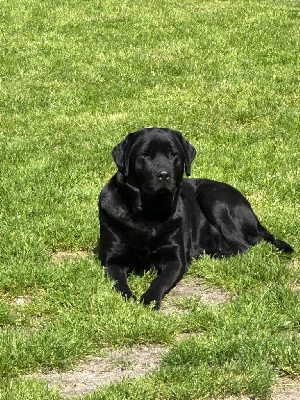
(59, 256)
(186, 289)
(113, 366)
(136, 361)
(22, 300)
(296, 287)
(116, 365)
(209, 295)
(129, 363)
(295, 264)
(286, 389)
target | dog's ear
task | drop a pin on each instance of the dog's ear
(120, 154)
(189, 153)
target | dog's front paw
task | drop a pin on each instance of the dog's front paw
(126, 292)
(129, 296)
(151, 297)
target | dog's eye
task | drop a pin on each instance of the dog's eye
(173, 154)
(146, 154)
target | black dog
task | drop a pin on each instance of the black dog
(151, 217)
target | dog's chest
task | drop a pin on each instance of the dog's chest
(151, 243)
(151, 233)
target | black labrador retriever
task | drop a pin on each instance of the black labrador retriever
(151, 217)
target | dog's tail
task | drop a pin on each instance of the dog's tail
(268, 237)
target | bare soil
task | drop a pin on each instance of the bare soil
(59, 256)
(137, 361)
(114, 365)
(111, 367)
(286, 389)
(186, 289)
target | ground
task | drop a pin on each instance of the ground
(114, 365)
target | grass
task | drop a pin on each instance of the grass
(75, 77)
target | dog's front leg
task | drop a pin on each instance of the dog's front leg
(171, 273)
(119, 275)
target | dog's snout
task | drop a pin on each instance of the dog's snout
(164, 175)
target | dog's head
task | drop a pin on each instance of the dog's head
(153, 160)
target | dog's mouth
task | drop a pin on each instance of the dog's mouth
(163, 190)
(159, 191)
(167, 187)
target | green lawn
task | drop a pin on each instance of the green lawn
(75, 77)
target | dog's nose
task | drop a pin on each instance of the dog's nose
(164, 175)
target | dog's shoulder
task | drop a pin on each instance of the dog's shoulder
(109, 195)
(111, 202)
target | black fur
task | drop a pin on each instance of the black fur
(151, 217)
